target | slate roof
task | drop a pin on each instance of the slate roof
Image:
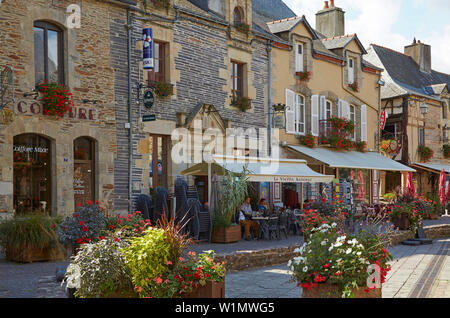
(405, 72)
(339, 42)
(272, 9)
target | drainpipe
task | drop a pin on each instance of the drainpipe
(269, 66)
(130, 111)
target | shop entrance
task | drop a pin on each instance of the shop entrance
(84, 172)
(32, 174)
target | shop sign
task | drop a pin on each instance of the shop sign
(383, 118)
(30, 149)
(146, 118)
(147, 37)
(149, 99)
(35, 108)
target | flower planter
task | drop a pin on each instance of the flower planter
(212, 289)
(332, 291)
(29, 255)
(402, 223)
(230, 234)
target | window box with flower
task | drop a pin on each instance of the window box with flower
(307, 140)
(243, 103)
(243, 28)
(354, 86)
(304, 76)
(162, 89)
(425, 153)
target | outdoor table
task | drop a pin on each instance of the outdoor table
(263, 225)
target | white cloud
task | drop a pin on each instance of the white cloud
(374, 22)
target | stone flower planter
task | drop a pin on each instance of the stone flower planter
(212, 289)
(332, 291)
(402, 223)
(230, 234)
(32, 254)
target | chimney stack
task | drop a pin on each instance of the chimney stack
(421, 54)
(331, 20)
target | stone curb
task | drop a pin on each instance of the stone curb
(271, 257)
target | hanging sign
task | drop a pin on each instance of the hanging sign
(383, 118)
(149, 99)
(147, 37)
(147, 118)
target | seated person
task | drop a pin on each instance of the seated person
(246, 209)
(262, 207)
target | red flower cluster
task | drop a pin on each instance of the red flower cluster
(56, 100)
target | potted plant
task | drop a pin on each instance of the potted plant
(233, 192)
(162, 89)
(333, 264)
(308, 140)
(243, 28)
(31, 238)
(354, 86)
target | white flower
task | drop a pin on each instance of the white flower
(323, 243)
(337, 244)
(330, 248)
(289, 263)
(359, 253)
(305, 269)
(334, 225)
(348, 251)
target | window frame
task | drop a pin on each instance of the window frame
(46, 26)
(152, 76)
(238, 10)
(353, 119)
(421, 136)
(351, 65)
(235, 79)
(328, 102)
(154, 153)
(297, 113)
(299, 67)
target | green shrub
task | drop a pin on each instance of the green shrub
(32, 231)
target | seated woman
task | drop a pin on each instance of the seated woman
(246, 209)
(262, 207)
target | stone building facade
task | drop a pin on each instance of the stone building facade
(48, 163)
(200, 42)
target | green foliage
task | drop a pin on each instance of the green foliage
(56, 98)
(32, 231)
(147, 257)
(308, 140)
(99, 270)
(446, 151)
(425, 153)
(234, 190)
(243, 103)
(243, 27)
(162, 89)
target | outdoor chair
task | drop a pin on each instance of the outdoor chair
(205, 225)
(273, 228)
(294, 224)
(283, 224)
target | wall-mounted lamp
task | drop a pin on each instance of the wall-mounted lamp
(424, 108)
(381, 82)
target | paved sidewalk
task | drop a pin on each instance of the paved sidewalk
(417, 272)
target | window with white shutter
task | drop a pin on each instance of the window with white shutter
(323, 114)
(290, 111)
(315, 115)
(364, 123)
(299, 58)
(328, 109)
(352, 117)
(345, 110)
(339, 114)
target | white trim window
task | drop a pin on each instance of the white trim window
(300, 114)
(299, 50)
(353, 119)
(351, 70)
(328, 109)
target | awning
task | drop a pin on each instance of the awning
(351, 159)
(261, 169)
(436, 167)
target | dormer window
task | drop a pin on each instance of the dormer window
(238, 16)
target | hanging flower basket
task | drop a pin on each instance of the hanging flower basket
(360, 146)
(425, 153)
(56, 98)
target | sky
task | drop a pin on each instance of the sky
(392, 23)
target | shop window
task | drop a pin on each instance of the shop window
(84, 170)
(237, 79)
(158, 146)
(158, 73)
(48, 53)
(32, 174)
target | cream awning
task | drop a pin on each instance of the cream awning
(436, 167)
(352, 159)
(261, 169)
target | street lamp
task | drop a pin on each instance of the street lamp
(424, 108)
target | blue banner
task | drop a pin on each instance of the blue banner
(147, 36)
